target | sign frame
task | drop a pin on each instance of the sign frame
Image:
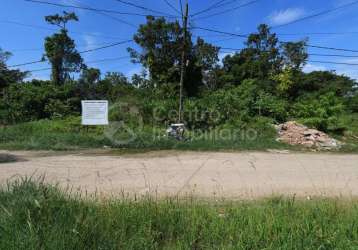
(94, 112)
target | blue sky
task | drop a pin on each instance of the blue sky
(95, 29)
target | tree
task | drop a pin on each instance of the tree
(162, 43)
(295, 54)
(265, 50)
(90, 76)
(260, 59)
(8, 76)
(61, 49)
(61, 21)
(206, 54)
(116, 78)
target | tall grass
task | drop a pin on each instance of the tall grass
(69, 135)
(37, 216)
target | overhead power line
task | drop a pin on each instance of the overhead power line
(51, 29)
(221, 32)
(143, 8)
(82, 52)
(107, 46)
(110, 16)
(330, 48)
(91, 9)
(310, 54)
(307, 45)
(42, 49)
(228, 10)
(181, 8)
(333, 55)
(172, 7)
(27, 63)
(338, 63)
(90, 62)
(317, 14)
(209, 8)
(319, 33)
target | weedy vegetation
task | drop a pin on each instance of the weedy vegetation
(34, 215)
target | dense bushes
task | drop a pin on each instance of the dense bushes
(38, 100)
(319, 111)
(22, 102)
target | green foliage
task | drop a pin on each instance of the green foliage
(61, 21)
(260, 59)
(162, 42)
(38, 100)
(61, 49)
(321, 82)
(90, 76)
(295, 54)
(353, 102)
(284, 80)
(262, 83)
(243, 102)
(65, 134)
(320, 112)
(8, 76)
(38, 216)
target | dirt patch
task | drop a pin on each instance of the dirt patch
(203, 174)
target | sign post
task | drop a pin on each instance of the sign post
(94, 112)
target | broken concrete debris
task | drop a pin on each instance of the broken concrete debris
(294, 133)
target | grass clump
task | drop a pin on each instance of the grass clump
(69, 134)
(37, 216)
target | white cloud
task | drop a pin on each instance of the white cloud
(312, 67)
(286, 16)
(136, 69)
(222, 55)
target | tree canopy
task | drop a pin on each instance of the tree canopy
(61, 49)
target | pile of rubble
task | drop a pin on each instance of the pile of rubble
(297, 134)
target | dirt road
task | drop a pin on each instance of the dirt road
(229, 175)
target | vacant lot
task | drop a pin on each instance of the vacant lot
(204, 174)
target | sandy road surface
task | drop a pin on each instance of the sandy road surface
(229, 175)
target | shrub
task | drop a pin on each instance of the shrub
(320, 112)
(28, 102)
(243, 103)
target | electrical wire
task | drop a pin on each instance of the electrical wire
(317, 14)
(51, 29)
(89, 8)
(82, 52)
(307, 45)
(209, 8)
(172, 7)
(143, 8)
(228, 10)
(90, 62)
(338, 63)
(332, 55)
(330, 48)
(181, 8)
(111, 17)
(221, 32)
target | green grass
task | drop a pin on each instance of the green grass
(37, 216)
(51, 135)
(350, 136)
(70, 135)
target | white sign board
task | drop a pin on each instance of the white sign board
(94, 112)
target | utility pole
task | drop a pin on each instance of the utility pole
(183, 61)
